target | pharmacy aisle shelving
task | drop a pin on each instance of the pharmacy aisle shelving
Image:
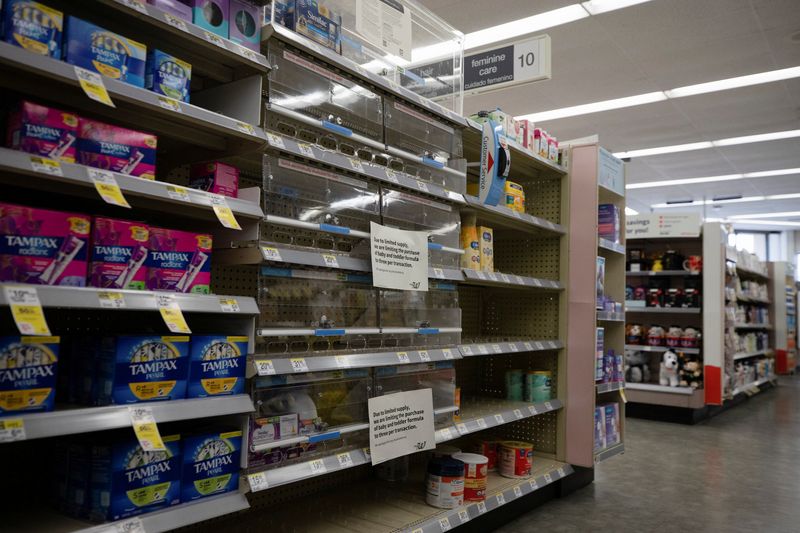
(597, 293)
(783, 312)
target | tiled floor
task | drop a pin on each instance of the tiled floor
(738, 472)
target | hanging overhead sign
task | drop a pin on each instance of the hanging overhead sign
(662, 225)
(513, 64)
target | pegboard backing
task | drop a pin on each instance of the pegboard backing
(538, 258)
(485, 376)
(543, 199)
(235, 280)
(488, 312)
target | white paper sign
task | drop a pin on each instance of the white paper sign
(401, 424)
(662, 225)
(399, 258)
(385, 24)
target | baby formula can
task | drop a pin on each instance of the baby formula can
(514, 384)
(445, 483)
(515, 459)
(475, 472)
(487, 448)
(537, 385)
(515, 196)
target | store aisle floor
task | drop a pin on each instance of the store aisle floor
(740, 471)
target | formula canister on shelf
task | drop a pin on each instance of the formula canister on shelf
(445, 450)
(514, 384)
(515, 459)
(488, 448)
(469, 242)
(515, 197)
(476, 468)
(445, 483)
(537, 385)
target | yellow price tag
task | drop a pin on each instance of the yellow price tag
(144, 425)
(172, 314)
(223, 212)
(107, 187)
(46, 165)
(177, 192)
(12, 429)
(622, 393)
(92, 84)
(111, 300)
(26, 310)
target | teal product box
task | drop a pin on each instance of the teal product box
(28, 373)
(217, 365)
(212, 15)
(210, 464)
(112, 55)
(32, 26)
(141, 368)
(127, 481)
(245, 24)
(167, 75)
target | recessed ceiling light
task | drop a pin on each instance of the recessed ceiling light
(787, 214)
(731, 141)
(710, 179)
(595, 107)
(767, 223)
(734, 83)
(596, 7)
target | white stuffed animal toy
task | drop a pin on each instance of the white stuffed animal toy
(668, 375)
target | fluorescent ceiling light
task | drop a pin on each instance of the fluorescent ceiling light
(768, 223)
(596, 7)
(605, 105)
(709, 179)
(734, 83)
(787, 214)
(630, 211)
(731, 141)
(515, 28)
(649, 98)
(744, 199)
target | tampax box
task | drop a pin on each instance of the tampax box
(608, 225)
(179, 261)
(612, 424)
(43, 131)
(316, 21)
(599, 428)
(117, 149)
(174, 7)
(140, 368)
(43, 247)
(215, 177)
(166, 74)
(119, 253)
(127, 481)
(27, 373)
(33, 26)
(210, 464)
(212, 15)
(217, 365)
(99, 50)
(486, 242)
(600, 281)
(599, 363)
(245, 24)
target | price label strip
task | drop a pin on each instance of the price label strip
(345, 460)
(171, 313)
(447, 353)
(107, 187)
(258, 481)
(330, 260)
(138, 5)
(444, 524)
(46, 166)
(403, 357)
(518, 491)
(144, 425)
(111, 300)
(299, 364)
(175, 22)
(92, 84)
(264, 367)
(170, 104)
(27, 310)
(178, 193)
(229, 305)
(424, 356)
(481, 507)
(223, 212)
(306, 149)
(463, 515)
(342, 361)
(128, 525)
(12, 429)
(317, 467)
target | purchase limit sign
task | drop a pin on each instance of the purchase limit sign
(399, 258)
(401, 424)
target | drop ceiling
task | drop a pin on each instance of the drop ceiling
(660, 45)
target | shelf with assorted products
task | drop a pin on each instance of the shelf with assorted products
(783, 312)
(597, 274)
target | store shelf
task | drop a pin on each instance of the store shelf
(646, 348)
(662, 273)
(337, 61)
(89, 298)
(612, 386)
(611, 246)
(494, 348)
(608, 453)
(664, 310)
(266, 365)
(747, 325)
(478, 414)
(498, 279)
(660, 388)
(748, 299)
(185, 123)
(150, 194)
(187, 41)
(747, 355)
(505, 218)
(89, 419)
(177, 516)
(447, 274)
(610, 316)
(317, 154)
(746, 272)
(251, 253)
(752, 385)
(608, 195)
